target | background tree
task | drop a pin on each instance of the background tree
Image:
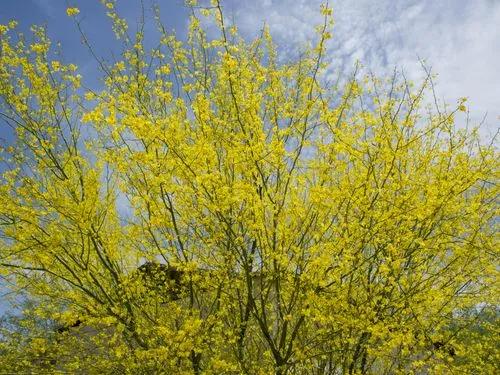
(289, 225)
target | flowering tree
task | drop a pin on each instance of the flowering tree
(213, 209)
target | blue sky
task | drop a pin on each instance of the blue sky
(459, 39)
(96, 25)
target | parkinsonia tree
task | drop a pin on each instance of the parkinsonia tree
(215, 209)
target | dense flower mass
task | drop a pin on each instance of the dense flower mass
(213, 209)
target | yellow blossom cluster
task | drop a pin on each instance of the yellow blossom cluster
(214, 209)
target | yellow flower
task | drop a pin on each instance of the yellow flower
(89, 95)
(72, 11)
(56, 65)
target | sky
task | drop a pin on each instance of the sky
(458, 39)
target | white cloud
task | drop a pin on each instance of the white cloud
(459, 39)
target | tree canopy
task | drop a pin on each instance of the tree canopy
(215, 208)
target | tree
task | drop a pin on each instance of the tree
(284, 224)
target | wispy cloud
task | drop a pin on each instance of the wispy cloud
(459, 39)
